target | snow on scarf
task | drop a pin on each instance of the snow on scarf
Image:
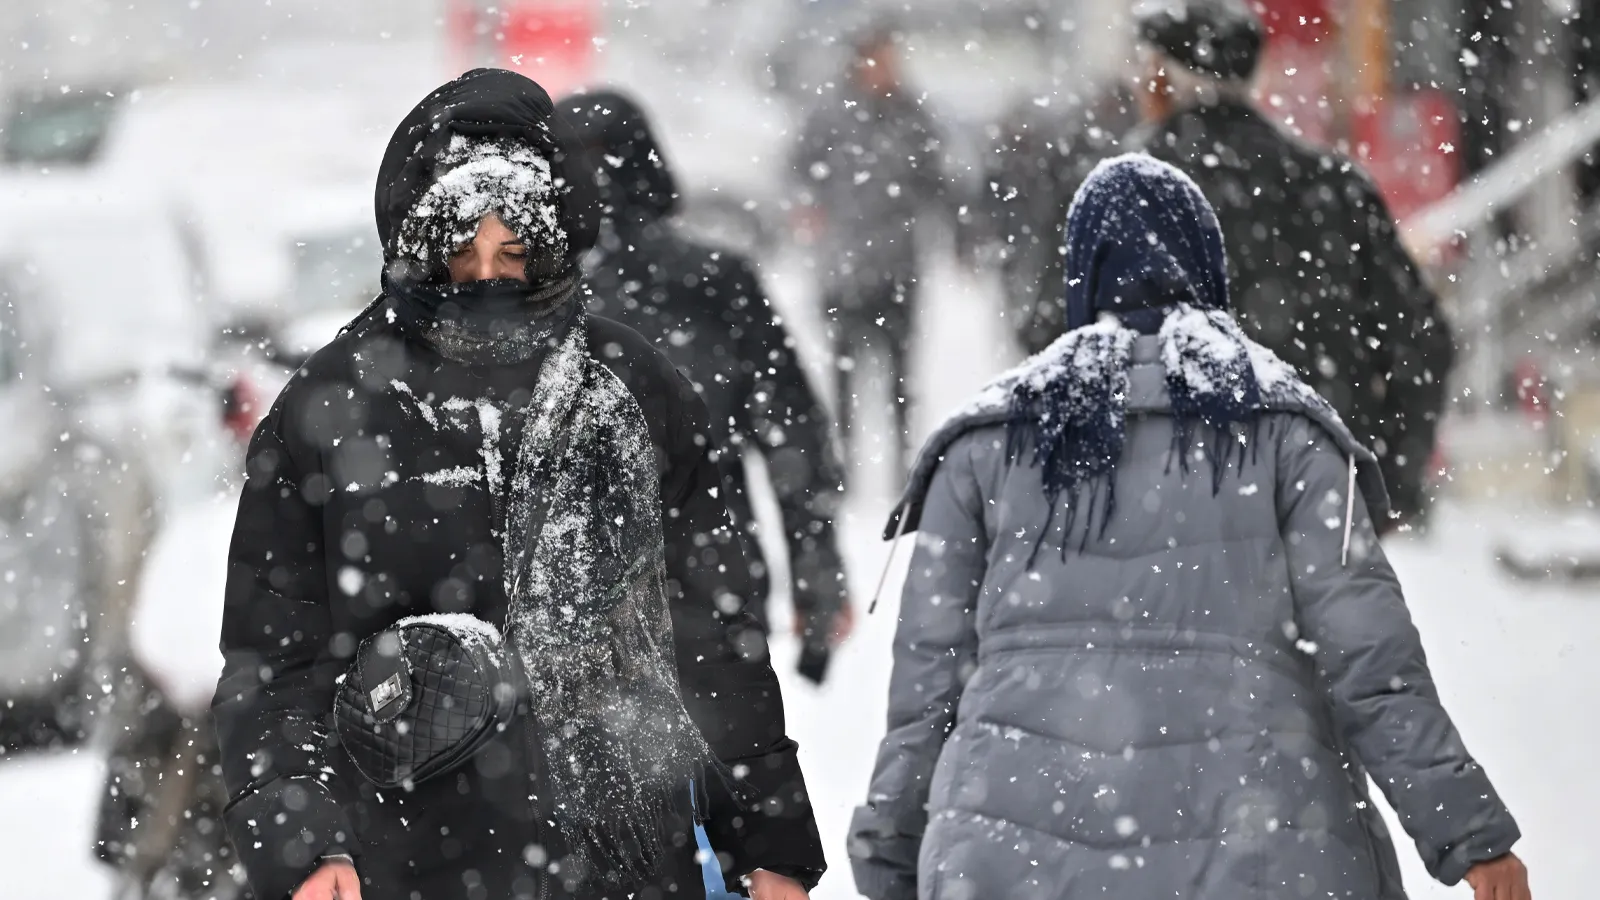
(1144, 252)
(589, 618)
(1067, 410)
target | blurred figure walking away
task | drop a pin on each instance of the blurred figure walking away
(1038, 158)
(1317, 268)
(160, 821)
(1150, 645)
(705, 309)
(868, 163)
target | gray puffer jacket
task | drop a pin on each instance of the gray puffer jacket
(1186, 705)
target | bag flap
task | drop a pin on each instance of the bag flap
(385, 675)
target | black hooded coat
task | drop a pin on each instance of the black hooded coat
(1319, 276)
(706, 310)
(341, 533)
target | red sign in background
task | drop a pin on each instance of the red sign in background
(550, 41)
(1406, 141)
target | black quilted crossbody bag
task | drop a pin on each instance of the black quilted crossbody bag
(422, 697)
(427, 693)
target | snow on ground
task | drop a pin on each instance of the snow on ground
(48, 806)
(1514, 662)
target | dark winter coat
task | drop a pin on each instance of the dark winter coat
(353, 517)
(1319, 276)
(706, 310)
(1186, 703)
(870, 164)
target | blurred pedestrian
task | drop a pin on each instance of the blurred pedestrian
(1039, 156)
(485, 530)
(1150, 645)
(704, 307)
(1318, 272)
(160, 820)
(868, 163)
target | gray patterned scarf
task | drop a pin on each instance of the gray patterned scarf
(589, 618)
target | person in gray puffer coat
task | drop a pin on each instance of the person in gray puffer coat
(1150, 645)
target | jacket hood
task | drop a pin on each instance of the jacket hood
(1147, 394)
(490, 104)
(630, 168)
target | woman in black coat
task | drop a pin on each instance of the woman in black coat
(399, 475)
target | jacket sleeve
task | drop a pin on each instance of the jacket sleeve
(277, 682)
(935, 651)
(792, 429)
(1370, 661)
(763, 818)
(1405, 321)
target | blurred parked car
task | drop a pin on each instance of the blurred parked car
(107, 424)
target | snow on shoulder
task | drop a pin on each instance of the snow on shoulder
(1190, 338)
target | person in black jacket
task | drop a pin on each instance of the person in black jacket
(705, 309)
(400, 473)
(867, 169)
(1317, 269)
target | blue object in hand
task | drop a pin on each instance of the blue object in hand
(710, 869)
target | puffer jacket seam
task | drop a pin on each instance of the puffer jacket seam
(1272, 661)
(955, 812)
(982, 722)
(1091, 554)
(1011, 651)
(958, 811)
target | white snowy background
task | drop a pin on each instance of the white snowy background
(1516, 662)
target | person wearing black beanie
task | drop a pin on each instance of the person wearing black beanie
(1318, 271)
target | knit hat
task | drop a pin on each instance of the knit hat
(1218, 38)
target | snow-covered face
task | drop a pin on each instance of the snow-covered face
(480, 182)
(493, 252)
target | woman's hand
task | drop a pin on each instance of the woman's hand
(1503, 878)
(336, 880)
(766, 885)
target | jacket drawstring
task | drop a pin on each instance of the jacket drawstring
(899, 529)
(1349, 513)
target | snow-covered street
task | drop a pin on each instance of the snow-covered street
(1514, 662)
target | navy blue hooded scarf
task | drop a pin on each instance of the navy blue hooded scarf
(1144, 255)
(1141, 236)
